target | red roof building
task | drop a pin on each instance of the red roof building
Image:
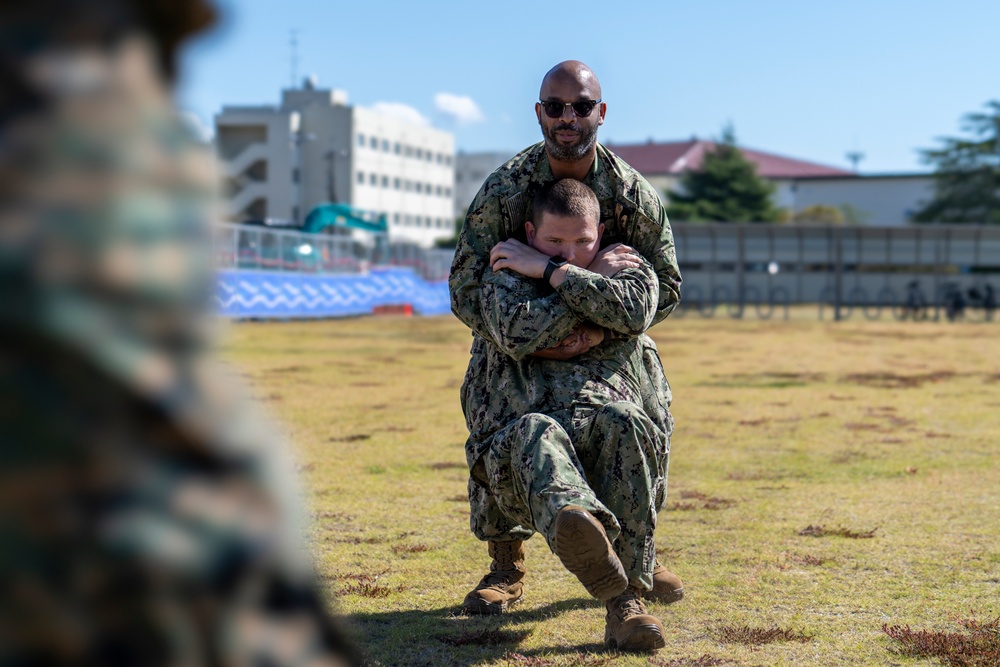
(674, 157)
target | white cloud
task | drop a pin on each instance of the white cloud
(459, 107)
(196, 125)
(400, 111)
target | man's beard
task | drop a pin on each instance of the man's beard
(569, 153)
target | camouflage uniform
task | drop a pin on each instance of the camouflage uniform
(146, 514)
(632, 214)
(553, 433)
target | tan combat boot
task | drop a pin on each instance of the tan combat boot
(583, 547)
(629, 627)
(667, 586)
(501, 588)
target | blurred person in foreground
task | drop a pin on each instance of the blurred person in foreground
(147, 516)
(569, 111)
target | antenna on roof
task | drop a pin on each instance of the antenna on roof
(293, 42)
(855, 157)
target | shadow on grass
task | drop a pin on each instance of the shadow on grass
(447, 637)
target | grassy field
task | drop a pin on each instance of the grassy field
(826, 480)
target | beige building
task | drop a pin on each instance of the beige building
(280, 162)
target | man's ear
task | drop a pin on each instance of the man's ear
(529, 231)
(600, 232)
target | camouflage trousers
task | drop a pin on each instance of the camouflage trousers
(608, 463)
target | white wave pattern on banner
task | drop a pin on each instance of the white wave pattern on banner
(264, 294)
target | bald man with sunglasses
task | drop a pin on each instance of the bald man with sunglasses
(570, 110)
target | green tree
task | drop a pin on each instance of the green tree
(725, 189)
(967, 173)
(819, 214)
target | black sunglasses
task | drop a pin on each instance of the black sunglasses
(582, 109)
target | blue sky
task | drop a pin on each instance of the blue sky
(803, 78)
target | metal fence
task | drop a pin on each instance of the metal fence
(925, 271)
(253, 247)
(736, 269)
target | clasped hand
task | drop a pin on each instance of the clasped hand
(516, 256)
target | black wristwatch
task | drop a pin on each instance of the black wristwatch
(554, 263)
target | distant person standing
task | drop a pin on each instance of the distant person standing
(570, 110)
(146, 517)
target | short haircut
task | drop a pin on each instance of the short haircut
(567, 197)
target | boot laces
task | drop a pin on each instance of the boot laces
(628, 604)
(504, 555)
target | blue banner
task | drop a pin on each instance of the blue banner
(248, 293)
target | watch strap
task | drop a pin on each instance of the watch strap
(554, 263)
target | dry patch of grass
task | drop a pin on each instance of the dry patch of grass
(840, 531)
(751, 636)
(977, 646)
(696, 500)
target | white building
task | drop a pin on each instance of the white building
(314, 148)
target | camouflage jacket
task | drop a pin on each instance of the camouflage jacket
(631, 212)
(505, 382)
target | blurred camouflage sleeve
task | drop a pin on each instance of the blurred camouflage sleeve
(625, 303)
(148, 515)
(483, 230)
(518, 317)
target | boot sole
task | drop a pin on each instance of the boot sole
(478, 607)
(582, 546)
(668, 597)
(642, 639)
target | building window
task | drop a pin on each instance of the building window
(437, 190)
(408, 151)
(373, 179)
(295, 175)
(361, 178)
(385, 182)
(361, 140)
(395, 219)
(385, 145)
(395, 183)
(373, 143)
(420, 153)
(447, 192)
(396, 148)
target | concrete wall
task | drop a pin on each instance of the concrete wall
(256, 148)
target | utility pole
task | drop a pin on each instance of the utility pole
(855, 157)
(293, 43)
